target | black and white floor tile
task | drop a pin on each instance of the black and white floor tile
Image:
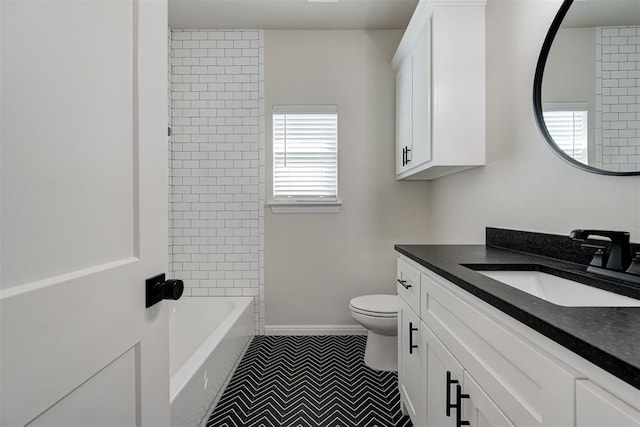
(304, 381)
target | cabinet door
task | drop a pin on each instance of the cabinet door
(479, 409)
(597, 408)
(444, 374)
(421, 102)
(410, 350)
(404, 131)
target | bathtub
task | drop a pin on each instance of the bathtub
(207, 337)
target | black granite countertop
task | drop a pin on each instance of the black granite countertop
(607, 337)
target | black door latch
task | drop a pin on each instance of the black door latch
(157, 289)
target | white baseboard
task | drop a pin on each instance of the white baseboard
(314, 330)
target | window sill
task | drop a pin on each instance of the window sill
(304, 207)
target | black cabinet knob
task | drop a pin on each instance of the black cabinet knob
(171, 289)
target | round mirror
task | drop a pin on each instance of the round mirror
(586, 91)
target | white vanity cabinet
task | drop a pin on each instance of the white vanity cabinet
(453, 396)
(482, 366)
(595, 408)
(410, 345)
(480, 410)
(528, 386)
(410, 357)
(440, 90)
(443, 374)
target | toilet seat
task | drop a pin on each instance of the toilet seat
(375, 305)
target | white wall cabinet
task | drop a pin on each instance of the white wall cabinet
(413, 120)
(507, 374)
(440, 90)
(404, 108)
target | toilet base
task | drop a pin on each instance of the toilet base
(381, 352)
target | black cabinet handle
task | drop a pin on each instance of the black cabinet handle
(449, 383)
(405, 156)
(458, 405)
(404, 283)
(459, 397)
(411, 331)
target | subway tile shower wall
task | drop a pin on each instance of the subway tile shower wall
(617, 106)
(217, 164)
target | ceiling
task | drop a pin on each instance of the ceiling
(291, 14)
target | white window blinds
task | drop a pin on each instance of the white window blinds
(569, 130)
(305, 153)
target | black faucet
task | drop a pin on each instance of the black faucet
(620, 251)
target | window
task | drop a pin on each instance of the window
(567, 125)
(305, 158)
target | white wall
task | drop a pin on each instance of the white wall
(216, 155)
(524, 185)
(315, 263)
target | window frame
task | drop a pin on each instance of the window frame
(303, 204)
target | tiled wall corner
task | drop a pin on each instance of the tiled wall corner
(217, 164)
(261, 189)
(618, 98)
(169, 121)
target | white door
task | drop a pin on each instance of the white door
(83, 212)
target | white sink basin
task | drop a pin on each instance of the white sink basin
(560, 291)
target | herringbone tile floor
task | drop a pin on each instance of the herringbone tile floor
(304, 381)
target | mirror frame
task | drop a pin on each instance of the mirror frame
(537, 97)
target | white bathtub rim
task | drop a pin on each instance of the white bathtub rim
(190, 367)
(227, 380)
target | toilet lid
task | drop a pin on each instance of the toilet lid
(376, 305)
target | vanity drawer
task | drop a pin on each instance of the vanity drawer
(408, 283)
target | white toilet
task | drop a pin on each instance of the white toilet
(379, 315)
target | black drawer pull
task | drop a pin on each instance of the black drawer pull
(404, 283)
(411, 331)
(449, 383)
(459, 397)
